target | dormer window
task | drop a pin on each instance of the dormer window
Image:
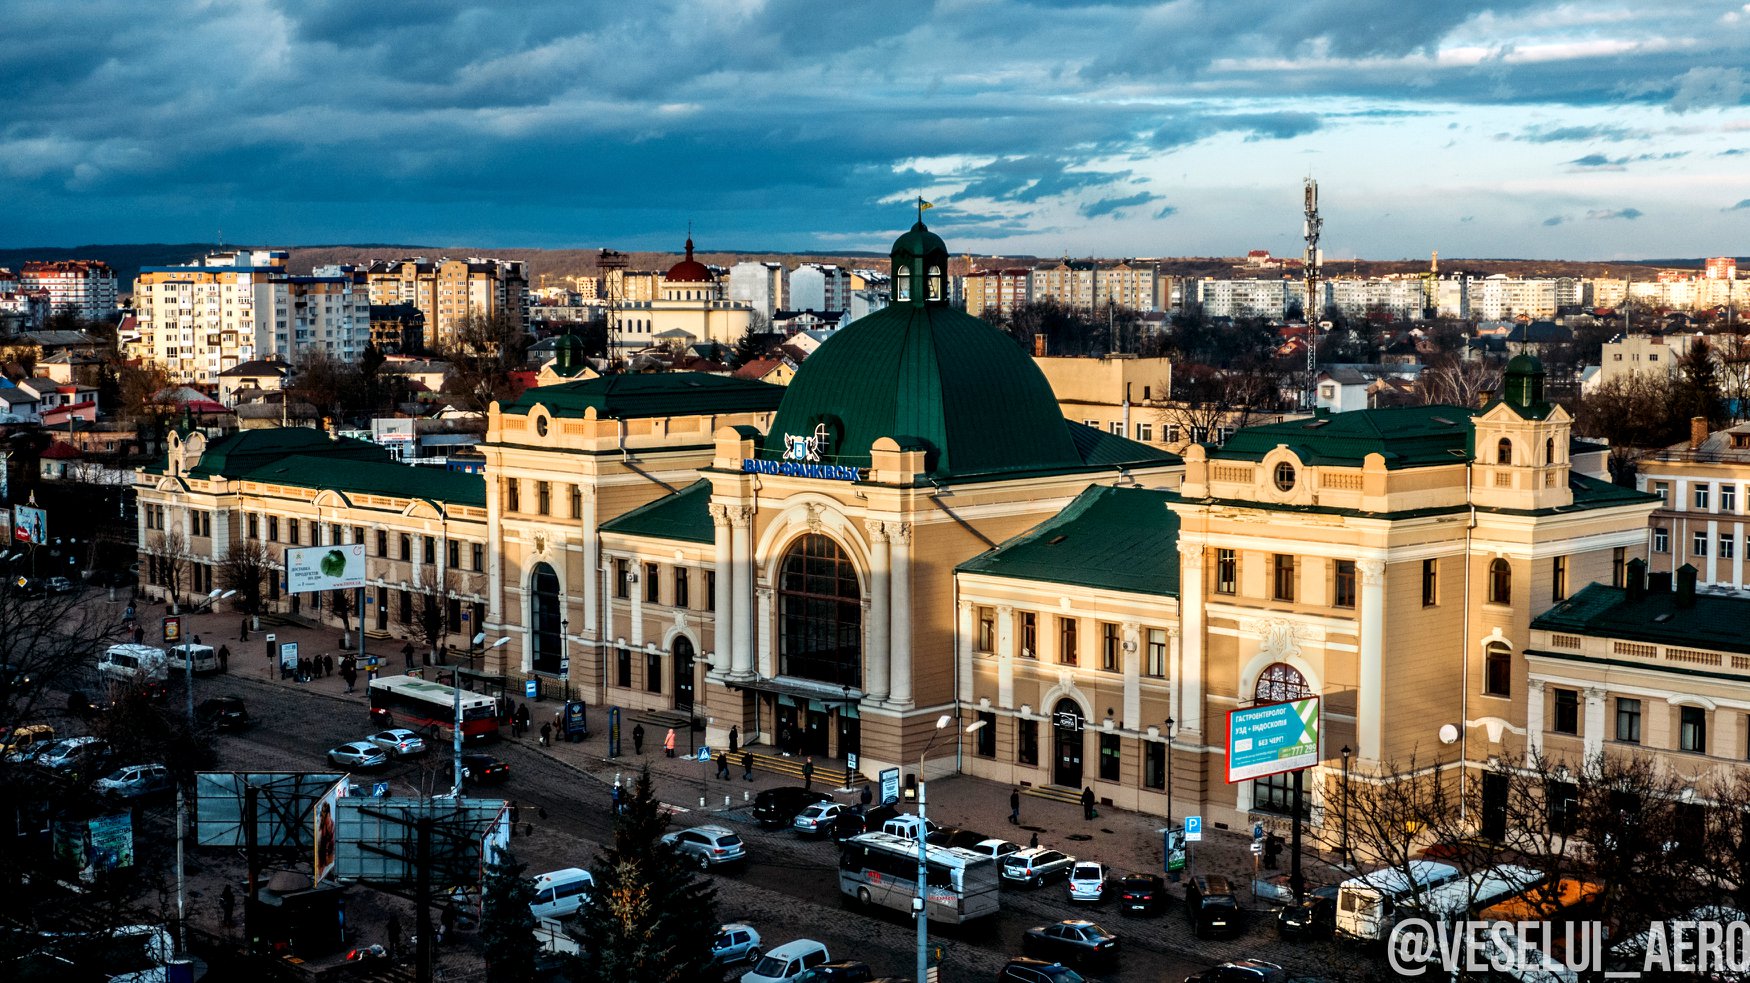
(934, 279)
(1549, 451)
(1504, 451)
(902, 284)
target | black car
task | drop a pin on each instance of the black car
(1314, 918)
(1026, 969)
(1212, 907)
(484, 769)
(81, 703)
(1141, 894)
(776, 807)
(1248, 971)
(223, 713)
(954, 836)
(1072, 940)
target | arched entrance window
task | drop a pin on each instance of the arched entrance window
(683, 673)
(1278, 682)
(820, 614)
(1067, 723)
(1504, 451)
(1500, 581)
(544, 619)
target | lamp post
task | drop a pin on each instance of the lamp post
(1343, 847)
(920, 904)
(1171, 723)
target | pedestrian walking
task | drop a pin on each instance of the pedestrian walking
(407, 653)
(139, 635)
(197, 639)
(808, 772)
(866, 796)
(734, 738)
(616, 796)
(747, 765)
(546, 733)
(243, 633)
(1088, 803)
(522, 718)
(224, 658)
(784, 740)
(1033, 842)
(514, 813)
(1014, 807)
(227, 903)
(328, 665)
(351, 676)
(723, 765)
(637, 738)
(668, 743)
(394, 932)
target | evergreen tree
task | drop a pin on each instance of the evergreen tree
(507, 926)
(650, 919)
(1698, 386)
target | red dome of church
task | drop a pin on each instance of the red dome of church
(688, 270)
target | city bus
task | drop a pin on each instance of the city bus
(1483, 890)
(1367, 904)
(428, 707)
(880, 869)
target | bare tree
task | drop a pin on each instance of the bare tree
(245, 569)
(1206, 399)
(1733, 352)
(1452, 381)
(425, 622)
(482, 354)
(168, 557)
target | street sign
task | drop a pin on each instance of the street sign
(1272, 738)
(172, 629)
(271, 636)
(1193, 829)
(889, 786)
(564, 666)
(1257, 831)
(380, 790)
(1257, 846)
(1069, 721)
(530, 688)
(703, 754)
(851, 763)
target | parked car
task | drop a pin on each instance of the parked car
(20, 743)
(842, 971)
(1141, 894)
(136, 781)
(1212, 907)
(1072, 940)
(736, 942)
(1087, 882)
(398, 742)
(1036, 865)
(708, 846)
(954, 836)
(82, 703)
(1314, 918)
(559, 893)
(479, 768)
(995, 849)
(819, 819)
(857, 820)
(70, 754)
(223, 713)
(1026, 969)
(776, 807)
(358, 754)
(1248, 971)
(786, 962)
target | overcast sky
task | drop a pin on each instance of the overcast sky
(1591, 130)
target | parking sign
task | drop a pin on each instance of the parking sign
(1193, 829)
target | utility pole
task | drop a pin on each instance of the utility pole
(1314, 257)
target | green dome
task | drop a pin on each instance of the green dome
(1524, 364)
(1525, 377)
(919, 241)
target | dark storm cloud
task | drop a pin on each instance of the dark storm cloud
(1740, 206)
(1107, 206)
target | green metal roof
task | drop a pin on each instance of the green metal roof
(237, 454)
(1406, 436)
(658, 394)
(1099, 448)
(375, 478)
(1122, 539)
(1714, 623)
(684, 516)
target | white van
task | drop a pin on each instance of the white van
(178, 656)
(907, 827)
(132, 664)
(561, 892)
(787, 962)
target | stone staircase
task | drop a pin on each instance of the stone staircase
(1053, 793)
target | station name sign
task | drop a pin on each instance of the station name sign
(802, 469)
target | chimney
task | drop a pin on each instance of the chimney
(1637, 579)
(1697, 432)
(1483, 397)
(1686, 586)
(1039, 346)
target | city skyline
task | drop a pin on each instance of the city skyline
(1514, 129)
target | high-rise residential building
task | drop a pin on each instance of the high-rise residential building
(1722, 268)
(1003, 291)
(765, 287)
(819, 287)
(84, 286)
(1089, 285)
(449, 291)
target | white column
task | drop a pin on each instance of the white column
(591, 546)
(1593, 740)
(417, 542)
(1533, 718)
(494, 554)
(768, 651)
(221, 535)
(608, 610)
(899, 674)
(876, 659)
(741, 558)
(1006, 657)
(963, 646)
(1132, 658)
(1190, 676)
(739, 667)
(635, 637)
(1370, 687)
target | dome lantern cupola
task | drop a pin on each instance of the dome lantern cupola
(1525, 377)
(920, 268)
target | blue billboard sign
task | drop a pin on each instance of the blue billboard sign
(1272, 738)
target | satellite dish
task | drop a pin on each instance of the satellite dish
(1448, 734)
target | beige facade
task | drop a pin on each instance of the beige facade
(450, 291)
(1117, 394)
(1704, 513)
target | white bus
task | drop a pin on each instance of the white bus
(1366, 905)
(1466, 897)
(882, 869)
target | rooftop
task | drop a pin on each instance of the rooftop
(658, 394)
(683, 516)
(1406, 436)
(375, 478)
(1123, 539)
(1711, 622)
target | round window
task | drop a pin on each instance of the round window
(541, 426)
(1284, 476)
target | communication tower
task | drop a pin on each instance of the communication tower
(613, 266)
(1313, 309)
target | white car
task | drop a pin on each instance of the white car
(398, 742)
(995, 849)
(1087, 881)
(136, 781)
(357, 754)
(818, 819)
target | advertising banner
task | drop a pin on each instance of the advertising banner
(1272, 739)
(97, 845)
(318, 568)
(30, 525)
(324, 832)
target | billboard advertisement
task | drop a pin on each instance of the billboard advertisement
(95, 846)
(1272, 738)
(30, 525)
(318, 568)
(325, 843)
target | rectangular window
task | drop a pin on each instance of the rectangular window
(513, 495)
(1117, 428)
(1110, 762)
(987, 735)
(453, 556)
(428, 551)
(623, 668)
(1661, 540)
(1145, 432)
(1282, 565)
(1066, 641)
(407, 547)
(1699, 540)
(1567, 711)
(682, 586)
(1692, 729)
(335, 537)
(710, 590)
(1430, 583)
(987, 630)
(1701, 496)
(1728, 498)
(1563, 800)
(1619, 567)
(1275, 794)
(1498, 671)
(479, 555)
(653, 672)
(292, 531)
(1227, 572)
(255, 527)
(543, 498)
(1154, 764)
(1345, 587)
(622, 578)
(1628, 720)
(1029, 635)
(1559, 578)
(383, 542)
(652, 584)
(1109, 640)
(358, 535)
(406, 607)
(1157, 653)
(1027, 742)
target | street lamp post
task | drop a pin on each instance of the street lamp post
(920, 904)
(1343, 847)
(1171, 723)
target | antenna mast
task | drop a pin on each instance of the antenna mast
(613, 267)
(1313, 308)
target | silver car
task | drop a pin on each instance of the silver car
(357, 754)
(135, 781)
(1036, 865)
(738, 942)
(708, 846)
(1087, 881)
(818, 819)
(398, 742)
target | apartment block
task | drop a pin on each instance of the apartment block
(449, 291)
(819, 287)
(1003, 291)
(765, 287)
(1703, 518)
(87, 287)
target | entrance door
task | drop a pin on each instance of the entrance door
(818, 740)
(683, 675)
(1494, 806)
(1067, 759)
(789, 735)
(850, 735)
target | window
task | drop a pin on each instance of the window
(1157, 653)
(292, 531)
(513, 495)
(1280, 682)
(577, 501)
(335, 537)
(1027, 742)
(653, 672)
(1154, 764)
(1661, 540)
(1283, 568)
(1563, 801)
(1701, 496)
(1619, 566)
(1728, 498)
(681, 587)
(407, 547)
(1284, 476)
(453, 553)
(255, 527)
(652, 584)
(1430, 583)
(987, 630)
(479, 555)
(1504, 451)
(1500, 581)
(1109, 640)
(358, 534)
(1559, 578)
(987, 735)
(1274, 794)
(1700, 542)
(546, 612)
(1110, 762)
(1345, 587)
(1117, 428)
(623, 668)
(622, 579)
(1628, 720)
(428, 551)
(1145, 432)
(543, 497)
(820, 613)
(1662, 490)
(1227, 571)
(383, 542)
(1692, 729)
(710, 590)
(1029, 635)
(1498, 670)
(1066, 641)
(1567, 711)
(1728, 545)
(1549, 450)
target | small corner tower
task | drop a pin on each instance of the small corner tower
(1520, 445)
